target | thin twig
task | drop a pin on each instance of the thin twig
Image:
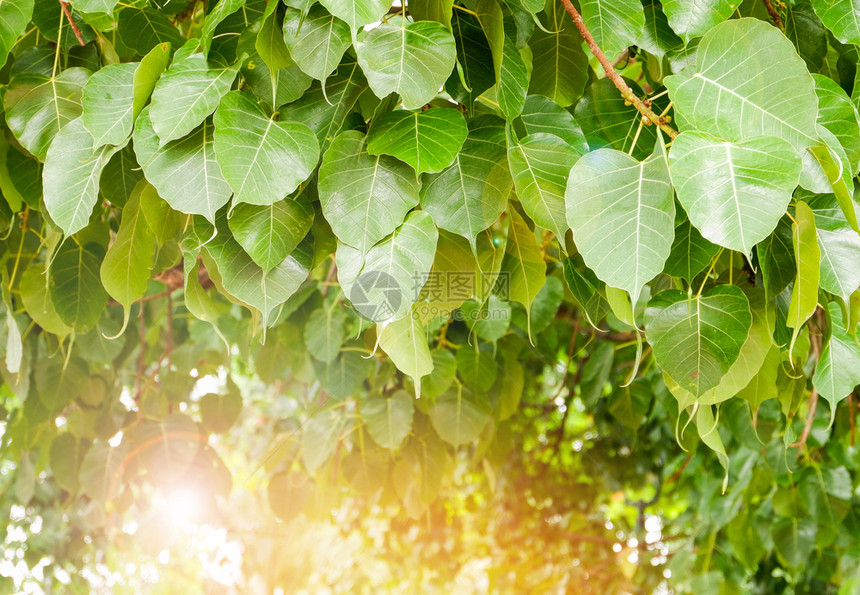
(774, 14)
(626, 92)
(72, 23)
(810, 417)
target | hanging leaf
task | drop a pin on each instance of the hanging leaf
(220, 412)
(523, 268)
(262, 159)
(746, 191)
(324, 333)
(427, 140)
(70, 180)
(691, 253)
(693, 18)
(100, 475)
(840, 16)
(425, 50)
(270, 233)
(614, 24)
(560, 66)
(696, 339)
(839, 246)
(14, 17)
(141, 29)
(804, 294)
(838, 369)
(459, 415)
(540, 164)
(838, 115)
(405, 342)
(388, 419)
(364, 198)
(541, 114)
(317, 40)
(75, 286)
(357, 13)
(468, 197)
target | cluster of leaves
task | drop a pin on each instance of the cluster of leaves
(266, 161)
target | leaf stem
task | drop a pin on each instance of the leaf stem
(613, 75)
(774, 14)
(72, 24)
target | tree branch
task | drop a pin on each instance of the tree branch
(72, 23)
(810, 417)
(626, 92)
(774, 14)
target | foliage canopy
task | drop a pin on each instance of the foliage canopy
(509, 273)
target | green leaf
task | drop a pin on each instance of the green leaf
(119, 177)
(357, 13)
(691, 253)
(262, 159)
(615, 24)
(270, 44)
(127, 265)
(242, 278)
(184, 171)
(804, 294)
(320, 435)
(560, 66)
(745, 192)
(108, 104)
(101, 471)
(220, 412)
(188, 92)
(541, 114)
(513, 80)
(364, 198)
(838, 115)
(523, 267)
(384, 282)
(14, 17)
(657, 36)
(141, 29)
(776, 258)
(838, 369)
(807, 33)
(839, 245)
(453, 279)
(317, 41)
(842, 17)
(164, 222)
(459, 415)
(693, 18)
(622, 213)
(763, 385)
(324, 332)
(326, 112)
(37, 300)
(222, 10)
(405, 342)
(442, 376)
(491, 320)
(718, 95)
(794, 538)
(76, 287)
(540, 164)
(696, 339)
(66, 456)
(428, 140)
(469, 196)
(587, 290)
(388, 419)
(73, 166)
(474, 59)
(432, 10)
(38, 106)
(608, 122)
(166, 448)
(412, 59)
(270, 233)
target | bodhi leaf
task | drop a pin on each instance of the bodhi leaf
(405, 342)
(693, 18)
(218, 413)
(357, 13)
(838, 370)
(317, 40)
(38, 106)
(696, 339)
(541, 114)
(364, 198)
(388, 419)
(101, 470)
(70, 179)
(690, 253)
(474, 59)
(142, 29)
(37, 300)
(807, 255)
(324, 332)
(412, 59)
(717, 95)
(222, 10)
(427, 140)
(469, 196)
(622, 213)
(540, 164)
(14, 17)
(262, 159)
(734, 193)
(657, 36)
(838, 115)
(615, 24)
(839, 245)
(560, 66)
(513, 80)
(270, 233)
(75, 286)
(186, 94)
(185, 171)
(384, 282)
(807, 33)
(842, 17)
(459, 415)
(126, 267)
(523, 267)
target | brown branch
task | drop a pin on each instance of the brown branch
(774, 14)
(677, 474)
(626, 92)
(810, 417)
(851, 418)
(72, 23)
